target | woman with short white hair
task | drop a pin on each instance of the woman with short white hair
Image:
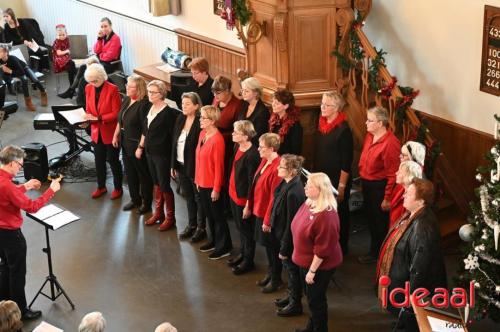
(92, 322)
(408, 170)
(414, 151)
(103, 104)
(316, 247)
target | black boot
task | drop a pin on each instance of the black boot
(292, 309)
(67, 94)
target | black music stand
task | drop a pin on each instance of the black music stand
(77, 143)
(56, 288)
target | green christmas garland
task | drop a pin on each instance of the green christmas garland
(241, 11)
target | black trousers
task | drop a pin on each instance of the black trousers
(29, 74)
(140, 184)
(373, 195)
(159, 168)
(345, 220)
(43, 54)
(406, 316)
(106, 152)
(71, 69)
(196, 215)
(217, 224)
(275, 264)
(13, 250)
(246, 229)
(294, 283)
(316, 299)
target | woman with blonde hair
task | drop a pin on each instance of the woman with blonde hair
(209, 179)
(253, 108)
(135, 107)
(317, 252)
(10, 317)
(156, 143)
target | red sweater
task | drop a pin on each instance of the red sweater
(316, 234)
(380, 160)
(228, 116)
(108, 50)
(397, 208)
(262, 198)
(209, 171)
(13, 200)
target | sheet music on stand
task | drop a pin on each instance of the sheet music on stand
(53, 216)
(46, 327)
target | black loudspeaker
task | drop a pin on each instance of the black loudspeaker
(36, 164)
(180, 82)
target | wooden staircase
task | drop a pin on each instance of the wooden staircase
(452, 205)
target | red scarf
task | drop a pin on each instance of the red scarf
(286, 123)
(324, 127)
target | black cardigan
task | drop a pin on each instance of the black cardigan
(158, 137)
(130, 120)
(292, 143)
(244, 170)
(189, 147)
(259, 118)
(288, 197)
(419, 248)
(29, 30)
(333, 153)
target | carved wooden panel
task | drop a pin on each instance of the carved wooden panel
(311, 40)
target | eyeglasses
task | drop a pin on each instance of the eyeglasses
(153, 92)
(218, 92)
(371, 121)
(262, 147)
(20, 165)
(94, 81)
(327, 105)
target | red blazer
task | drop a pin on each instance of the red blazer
(262, 195)
(107, 111)
(110, 50)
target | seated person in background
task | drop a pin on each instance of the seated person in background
(92, 322)
(10, 317)
(61, 55)
(26, 31)
(108, 47)
(203, 82)
(165, 327)
(12, 67)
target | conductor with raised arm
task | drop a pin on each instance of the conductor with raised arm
(13, 199)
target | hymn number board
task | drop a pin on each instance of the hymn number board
(490, 61)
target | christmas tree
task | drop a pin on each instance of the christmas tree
(482, 252)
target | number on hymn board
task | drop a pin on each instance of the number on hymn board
(490, 61)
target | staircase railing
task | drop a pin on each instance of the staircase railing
(443, 172)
